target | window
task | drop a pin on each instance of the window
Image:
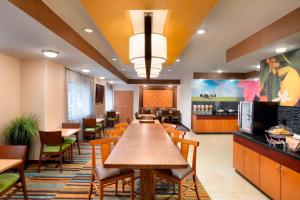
(80, 95)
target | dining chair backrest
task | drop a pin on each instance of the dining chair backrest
(184, 149)
(13, 152)
(50, 137)
(70, 125)
(165, 112)
(167, 125)
(123, 125)
(175, 113)
(115, 132)
(105, 148)
(146, 111)
(89, 122)
(111, 114)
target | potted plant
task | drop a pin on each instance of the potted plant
(22, 130)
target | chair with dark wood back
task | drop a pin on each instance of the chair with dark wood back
(90, 128)
(52, 145)
(72, 140)
(9, 180)
(165, 116)
(180, 175)
(175, 116)
(107, 176)
(111, 118)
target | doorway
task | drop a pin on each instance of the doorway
(123, 103)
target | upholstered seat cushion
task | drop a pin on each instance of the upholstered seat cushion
(90, 129)
(106, 173)
(99, 125)
(69, 140)
(55, 148)
(7, 180)
(178, 173)
(112, 118)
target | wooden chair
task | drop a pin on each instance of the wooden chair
(168, 125)
(107, 176)
(121, 125)
(180, 175)
(173, 133)
(111, 118)
(52, 145)
(70, 140)
(7, 179)
(114, 133)
(175, 117)
(90, 128)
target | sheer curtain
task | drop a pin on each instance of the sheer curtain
(79, 95)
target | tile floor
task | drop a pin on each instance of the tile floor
(215, 171)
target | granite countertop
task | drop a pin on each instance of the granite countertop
(260, 139)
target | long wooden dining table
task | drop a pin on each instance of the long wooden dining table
(145, 147)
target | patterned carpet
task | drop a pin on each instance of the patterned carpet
(73, 183)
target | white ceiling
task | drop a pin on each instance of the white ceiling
(230, 22)
(23, 37)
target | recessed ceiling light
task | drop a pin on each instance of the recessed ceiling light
(169, 70)
(170, 85)
(177, 60)
(280, 50)
(114, 59)
(219, 71)
(85, 70)
(201, 31)
(257, 66)
(50, 53)
(111, 82)
(102, 77)
(88, 30)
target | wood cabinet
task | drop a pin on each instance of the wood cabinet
(269, 177)
(251, 166)
(238, 158)
(290, 184)
(214, 124)
(276, 180)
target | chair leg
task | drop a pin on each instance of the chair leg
(77, 140)
(71, 150)
(168, 182)
(194, 179)
(116, 188)
(173, 187)
(123, 185)
(40, 162)
(100, 195)
(91, 186)
(61, 161)
(179, 190)
(23, 182)
(132, 188)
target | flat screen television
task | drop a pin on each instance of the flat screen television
(99, 94)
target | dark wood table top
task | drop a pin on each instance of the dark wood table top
(145, 146)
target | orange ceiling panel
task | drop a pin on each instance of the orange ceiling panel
(113, 20)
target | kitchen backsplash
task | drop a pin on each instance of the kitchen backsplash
(289, 116)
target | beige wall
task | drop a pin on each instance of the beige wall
(9, 91)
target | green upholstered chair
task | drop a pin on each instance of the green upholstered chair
(90, 128)
(111, 118)
(53, 147)
(71, 140)
(9, 179)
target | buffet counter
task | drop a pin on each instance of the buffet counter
(274, 170)
(213, 123)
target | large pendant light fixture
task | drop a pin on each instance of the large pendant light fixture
(138, 48)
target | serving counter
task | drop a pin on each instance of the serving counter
(274, 170)
(214, 123)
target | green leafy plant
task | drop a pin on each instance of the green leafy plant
(22, 130)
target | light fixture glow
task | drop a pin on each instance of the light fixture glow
(145, 85)
(169, 70)
(280, 50)
(85, 70)
(137, 48)
(111, 82)
(102, 78)
(114, 59)
(257, 66)
(177, 60)
(88, 30)
(219, 71)
(170, 85)
(50, 53)
(201, 31)
(256, 79)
